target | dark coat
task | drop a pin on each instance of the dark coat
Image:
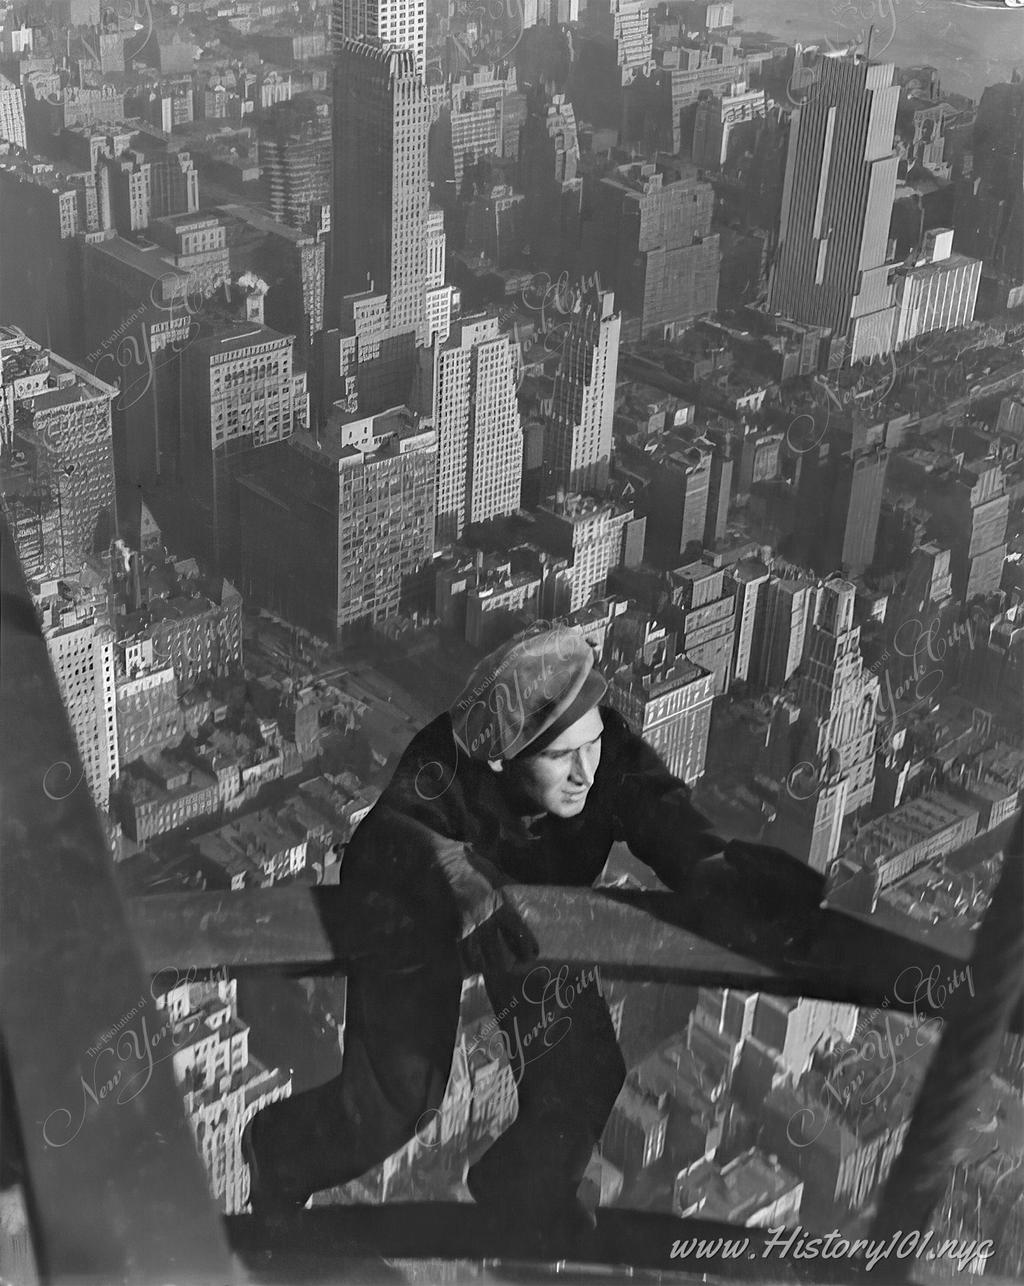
(450, 797)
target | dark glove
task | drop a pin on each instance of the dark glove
(786, 886)
(490, 928)
(754, 897)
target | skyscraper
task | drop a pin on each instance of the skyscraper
(677, 502)
(57, 462)
(381, 188)
(839, 698)
(747, 581)
(387, 291)
(579, 439)
(648, 234)
(12, 113)
(336, 529)
(80, 642)
(241, 394)
(295, 156)
(402, 23)
(479, 432)
(789, 605)
(840, 182)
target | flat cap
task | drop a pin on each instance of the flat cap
(525, 693)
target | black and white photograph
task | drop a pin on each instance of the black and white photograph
(512, 642)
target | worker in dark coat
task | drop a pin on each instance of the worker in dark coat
(528, 779)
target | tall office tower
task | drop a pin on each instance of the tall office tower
(12, 113)
(223, 1085)
(292, 263)
(614, 44)
(494, 226)
(726, 124)
(123, 189)
(703, 615)
(788, 612)
(578, 446)
(852, 533)
(748, 581)
(387, 293)
(838, 697)
(809, 817)
(173, 183)
(591, 536)
(141, 353)
(486, 114)
(479, 431)
(355, 555)
(840, 183)
(76, 626)
(648, 234)
(719, 492)
(381, 207)
(669, 704)
(971, 516)
(989, 211)
(240, 394)
(839, 501)
(57, 459)
(938, 292)
(401, 23)
(549, 158)
(294, 142)
(677, 502)
(41, 211)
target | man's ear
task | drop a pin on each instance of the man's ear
(496, 765)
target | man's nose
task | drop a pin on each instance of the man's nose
(582, 769)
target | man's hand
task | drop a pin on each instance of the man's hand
(788, 886)
(490, 927)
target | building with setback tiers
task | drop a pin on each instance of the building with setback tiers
(387, 294)
(838, 697)
(830, 269)
(578, 443)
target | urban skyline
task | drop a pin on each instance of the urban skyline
(340, 343)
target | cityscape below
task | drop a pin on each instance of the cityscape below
(340, 343)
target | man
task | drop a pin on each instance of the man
(527, 779)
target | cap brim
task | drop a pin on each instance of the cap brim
(595, 685)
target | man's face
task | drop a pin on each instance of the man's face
(559, 778)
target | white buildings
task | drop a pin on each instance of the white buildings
(81, 645)
(669, 705)
(223, 1088)
(939, 292)
(12, 113)
(471, 396)
(395, 22)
